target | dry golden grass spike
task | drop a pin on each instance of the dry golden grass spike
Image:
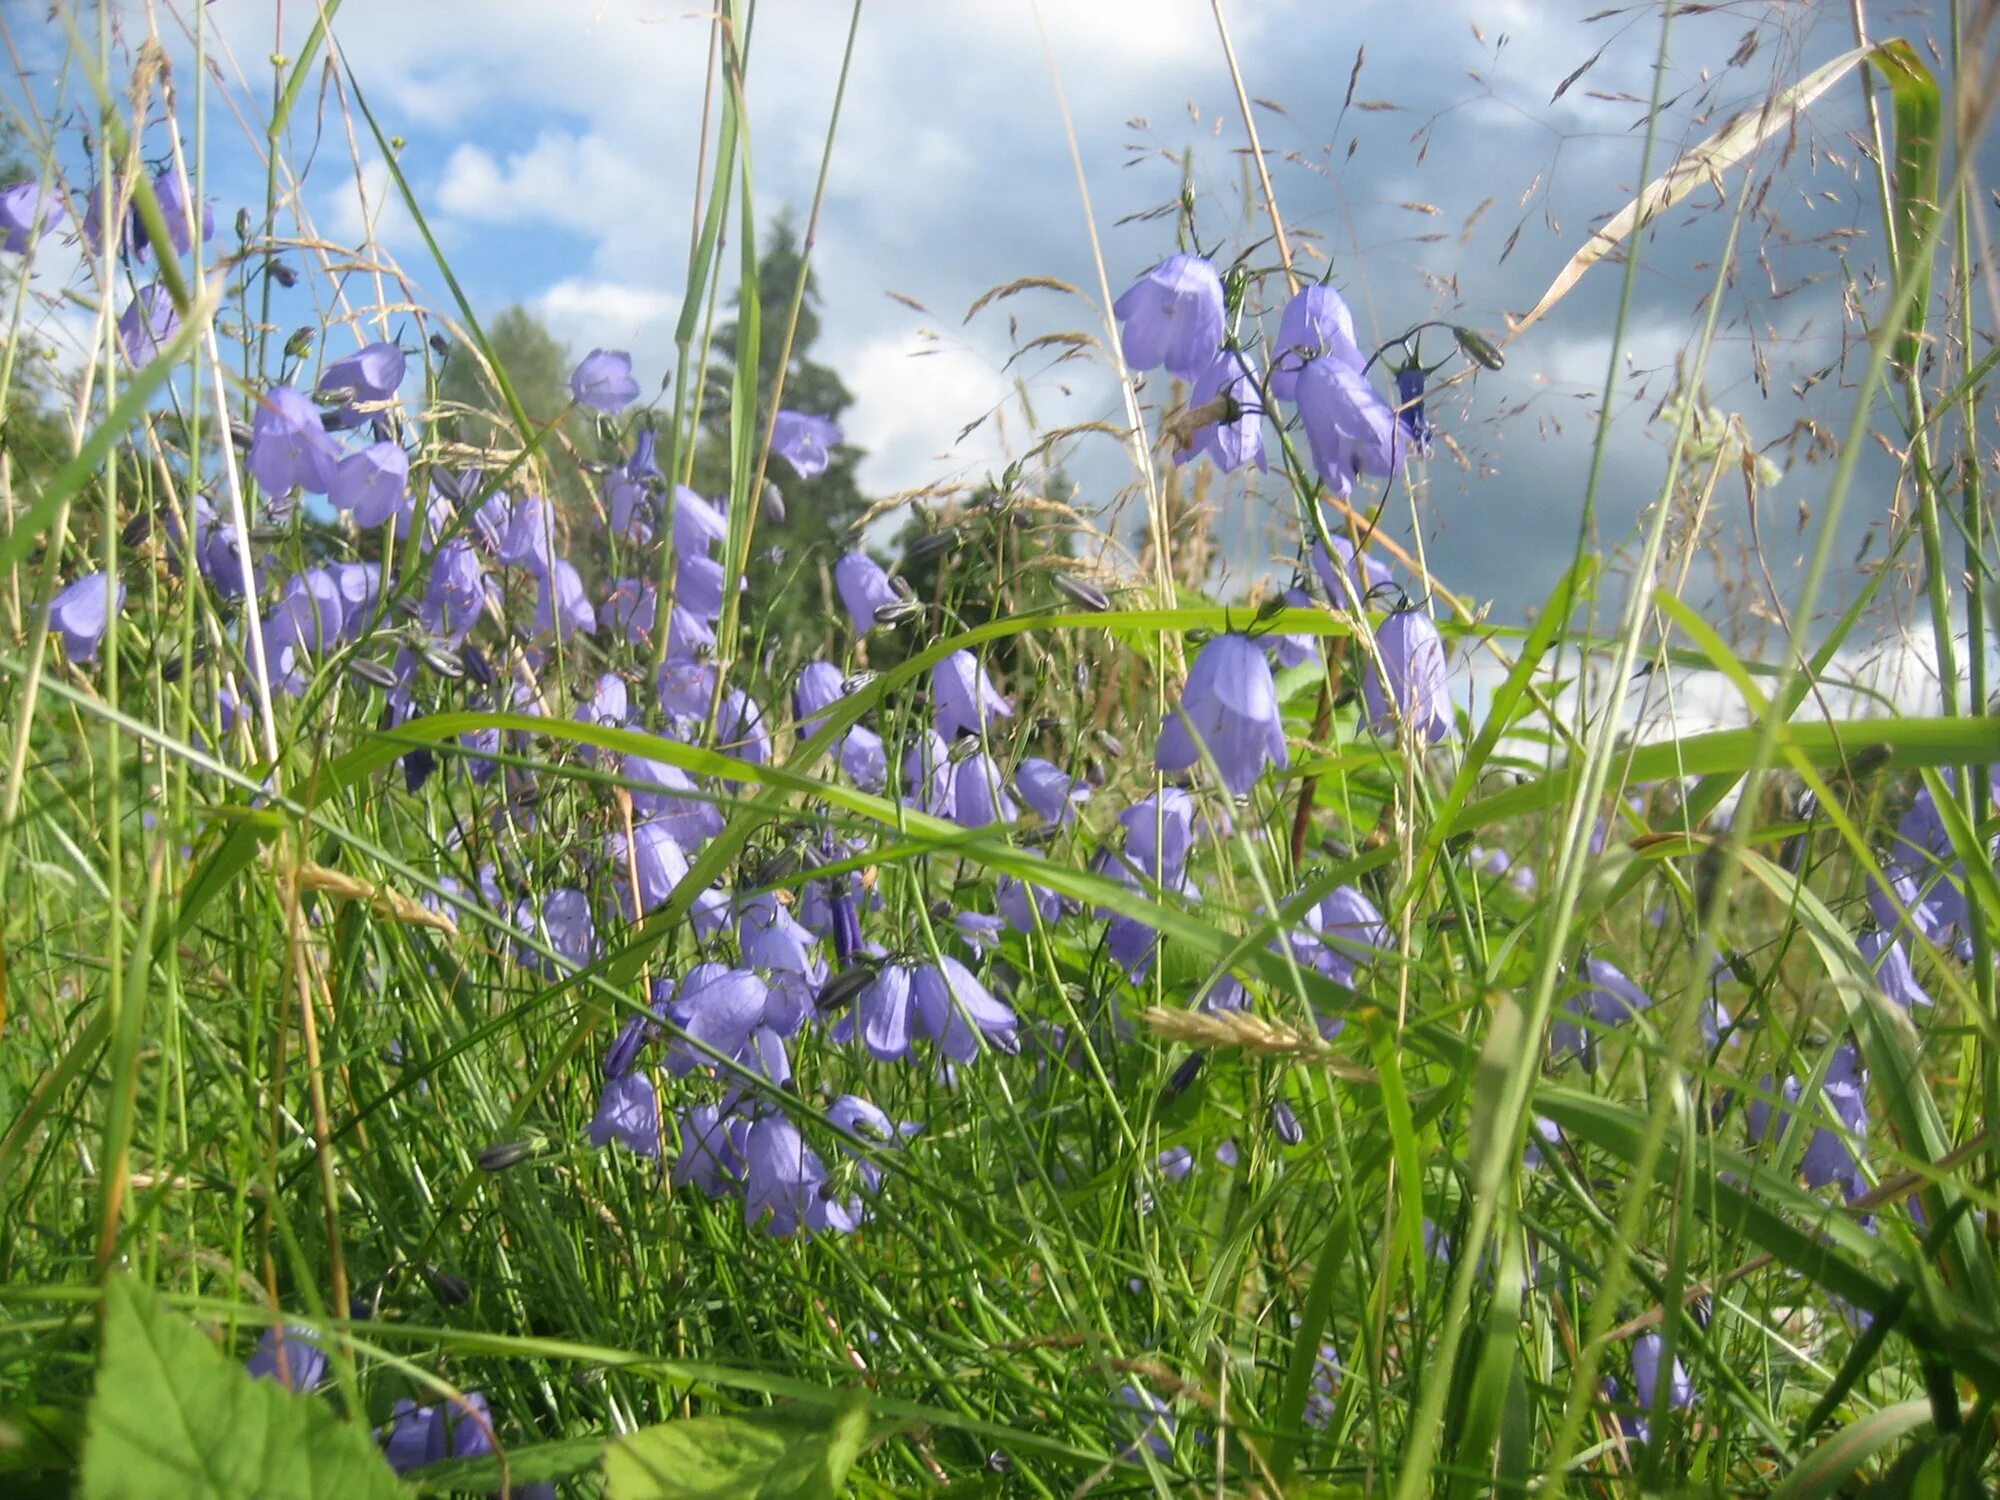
(378, 899)
(1252, 1033)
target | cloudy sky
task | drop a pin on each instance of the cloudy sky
(554, 147)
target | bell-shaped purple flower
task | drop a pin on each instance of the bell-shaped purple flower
(529, 540)
(631, 509)
(170, 189)
(1410, 408)
(740, 731)
(1228, 713)
(28, 211)
(769, 937)
(562, 608)
(805, 442)
(83, 611)
(1608, 998)
(782, 1176)
(656, 859)
(863, 758)
(628, 1111)
(711, 1150)
(1417, 694)
(603, 381)
(1229, 399)
(370, 374)
(1358, 577)
(1049, 790)
(718, 1007)
(864, 588)
(291, 1356)
(818, 688)
(698, 587)
(979, 793)
(1349, 933)
(956, 1011)
(1350, 429)
(456, 591)
(698, 525)
(884, 1011)
(1173, 317)
(1890, 961)
(374, 484)
(1316, 325)
(928, 780)
(147, 325)
(963, 696)
(289, 446)
(1647, 1351)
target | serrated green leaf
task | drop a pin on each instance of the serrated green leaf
(172, 1418)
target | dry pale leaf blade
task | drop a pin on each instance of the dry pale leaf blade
(1707, 161)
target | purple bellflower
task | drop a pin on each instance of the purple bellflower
(1647, 1351)
(804, 441)
(956, 1011)
(711, 1150)
(864, 588)
(1229, 713)
(372, 374)
(1410, 408)
(374, 484)
(1890, 961)
(628, 1112)
(979, 793)
(783, 1178)
(698, 525)
(1316, 325)
(147, 325)
(82, 612)
(1233, 434)
(962, 696)
(1173, 317)
(529, 540)
(289, 446)
(1608, 999)
(929, 782)
(603, 381)
(817, 690)
(1350, 429)
(28, 211)
(562, 608)
(1358, 577)
(291, 1356)
(1413, 667)
(1049, 790)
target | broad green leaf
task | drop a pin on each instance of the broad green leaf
(775, 1455)
(172, 1418)
(36, 1439)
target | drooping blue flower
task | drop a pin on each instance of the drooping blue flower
(963, 696)
(712, 1147)
(1608, 998)
(883, 1008)
(1828, 1159)
(1020, 901)
(655, 858)
(818, 688)
(289, 446)
(565, 924)
(1049, 790)
(1228, 713)
(979, 793)
(863, 758)
(1410, 382)
(28, 211)
(804, 441)
(419, 1435)
(1647, 1351)
(1417, 693)
(1173, 317)
(1357, 578)
(82, 613)
(929, 784)
(1350, 932)
(562, 608)
(769, 937)
(698, 586)
(291, 1356)
(1316, 325)
(728, 1011)
(603, 381)
(455, 592)
(374, 484)
(147, 325)
(698, 525)
(957, 1012)
(1154, 1420)
(529, 540)
(371, 373)
(1350, 429)
(1890, 961)
(1234, 436)
(628, 1111)
(740, 730)
(783, 1177)
(864, 588)
(170, 190)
